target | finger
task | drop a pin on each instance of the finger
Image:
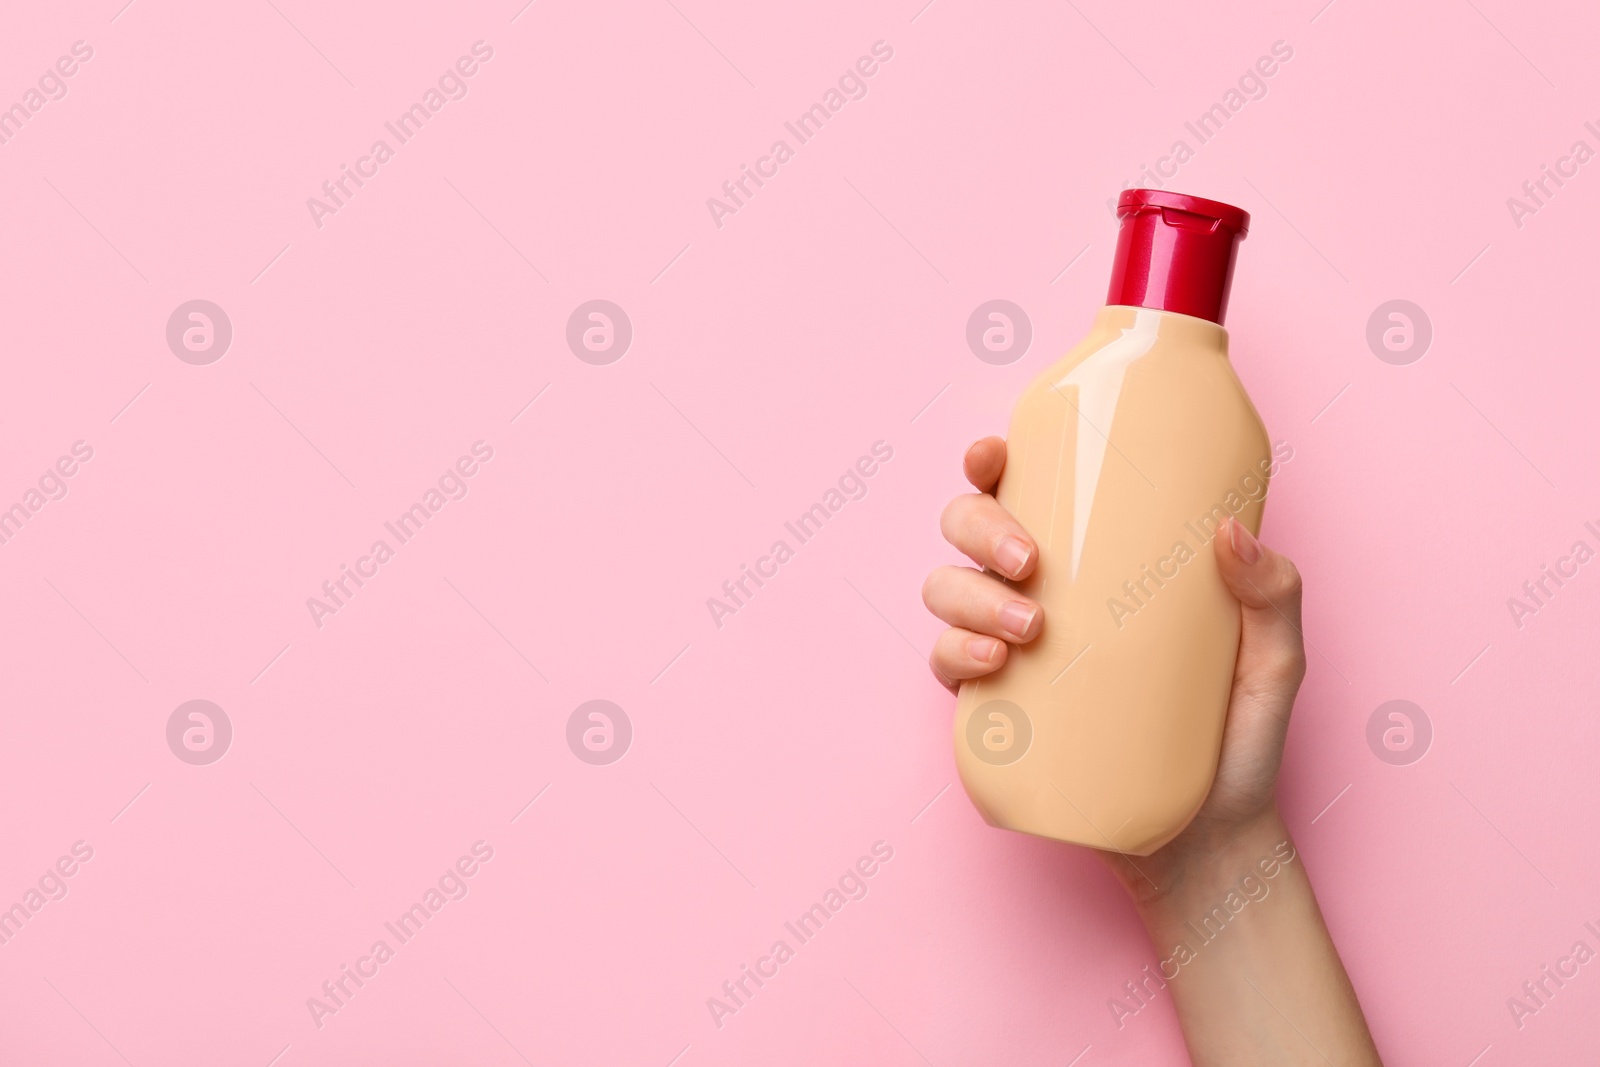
(1272, 654)
(984, 462)
(977, 525)
(961, 654)
(975, 601)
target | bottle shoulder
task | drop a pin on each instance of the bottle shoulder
(1169, 376)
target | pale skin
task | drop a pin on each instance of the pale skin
(1271, 989)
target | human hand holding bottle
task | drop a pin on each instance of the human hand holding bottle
(1270, 988)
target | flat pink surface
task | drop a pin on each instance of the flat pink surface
(825, 314)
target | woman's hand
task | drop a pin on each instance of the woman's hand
(986, 616)
(1278, 949)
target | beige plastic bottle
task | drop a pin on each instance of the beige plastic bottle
(1123, 461)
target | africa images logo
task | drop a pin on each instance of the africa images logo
(999, 733)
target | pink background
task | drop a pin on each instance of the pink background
(768, 354)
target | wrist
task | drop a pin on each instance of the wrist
(1207, 863)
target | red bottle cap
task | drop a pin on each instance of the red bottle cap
(1175, 253)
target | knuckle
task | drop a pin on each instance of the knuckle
(970, 595)
(947, 519)
(943, 589)
(955, 516)
(989, 524)
(1288, 667)
(1290, 584)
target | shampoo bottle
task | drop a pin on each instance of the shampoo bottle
(1124, 460)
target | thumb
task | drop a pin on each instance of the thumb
(1272, 655)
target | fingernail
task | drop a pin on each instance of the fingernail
(983, 649)
(1016, 617)
(1012, 555)
(1245, 546)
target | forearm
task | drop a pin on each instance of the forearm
(1247, 958)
